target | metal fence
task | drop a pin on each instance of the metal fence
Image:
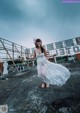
(10, 51)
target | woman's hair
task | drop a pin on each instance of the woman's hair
(39, 40)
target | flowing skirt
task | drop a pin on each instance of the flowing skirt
(52, 73)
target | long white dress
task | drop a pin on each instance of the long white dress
(51, 73)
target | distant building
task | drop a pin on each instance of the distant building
(63, 48)
(50, 46)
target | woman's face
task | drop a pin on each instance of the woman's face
(39, 44)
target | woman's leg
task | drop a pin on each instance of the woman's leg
(43, 85)
(46, 85)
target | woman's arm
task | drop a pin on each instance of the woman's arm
(45, 53)
(33, 57)
(34, 54)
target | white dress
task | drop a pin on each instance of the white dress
(51, 73)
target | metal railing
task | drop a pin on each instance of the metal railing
(9, 51)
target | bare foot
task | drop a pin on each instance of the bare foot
(43, 85)
(47, 85)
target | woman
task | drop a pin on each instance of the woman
(50, 73)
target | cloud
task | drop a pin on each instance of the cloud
(9, 10)
(49, 19)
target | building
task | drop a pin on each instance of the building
(66, 48)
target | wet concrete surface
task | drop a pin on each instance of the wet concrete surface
(23, 94)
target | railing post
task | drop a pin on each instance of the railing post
(13, 51)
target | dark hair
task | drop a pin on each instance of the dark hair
(39, 40)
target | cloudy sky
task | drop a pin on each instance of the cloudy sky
(51, 20)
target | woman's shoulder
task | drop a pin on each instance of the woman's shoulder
(44, 48)
(35, 50)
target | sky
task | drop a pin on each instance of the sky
(22, 21)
